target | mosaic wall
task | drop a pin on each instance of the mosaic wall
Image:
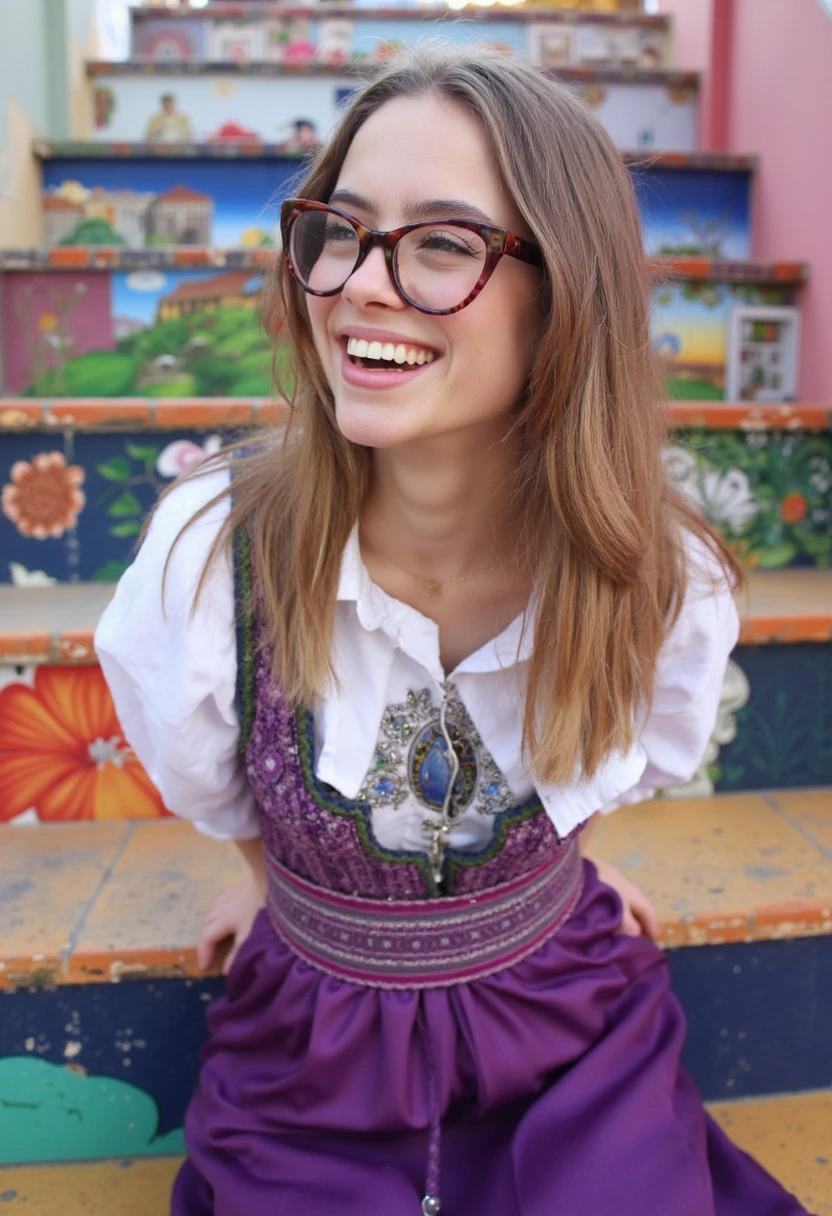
(72, 509)
(73, 503)
(129, 105)
(164, 201)
(162, 332)
(768, 492)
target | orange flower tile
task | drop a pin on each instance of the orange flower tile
(62, 751)
(43, 498)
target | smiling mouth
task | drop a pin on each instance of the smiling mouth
(387, 356)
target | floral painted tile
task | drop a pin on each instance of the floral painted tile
(62, 752)
(768, 492)
(72, 505)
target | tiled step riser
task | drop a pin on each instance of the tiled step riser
(162, 329)
(783, 728)
(233, 200)
(756, 1025)
(768, 491)
(654, 111)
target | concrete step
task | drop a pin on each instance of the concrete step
(55, 624)
(790, 1135)
(98, 971)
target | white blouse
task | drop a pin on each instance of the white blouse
(173, 677)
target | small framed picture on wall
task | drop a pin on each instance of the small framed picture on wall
(763, 354)
(551, 45)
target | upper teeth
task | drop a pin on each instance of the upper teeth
(386, 350)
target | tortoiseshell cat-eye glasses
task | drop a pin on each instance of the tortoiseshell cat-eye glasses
(438, 266)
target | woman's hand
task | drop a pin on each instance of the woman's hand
(231, 915)
(639, 914)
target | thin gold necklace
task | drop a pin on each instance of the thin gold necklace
(432, 587)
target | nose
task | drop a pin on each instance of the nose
(371, 283)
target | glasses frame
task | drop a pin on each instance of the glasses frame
(499, 243)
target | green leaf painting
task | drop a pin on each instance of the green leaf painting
(116, 469)
(137, 467)
(51, 1112)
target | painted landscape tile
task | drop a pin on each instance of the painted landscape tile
(144, 333)
(690, 332)
(226, 204)
(648, 115)
(153, 203)
(688, 213)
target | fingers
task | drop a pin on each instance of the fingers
(639, 918)
(217, 927)
(630, 927)
(232, 954)
(648, 920)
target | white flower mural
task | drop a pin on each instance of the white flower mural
(183, 454)
(724, 497)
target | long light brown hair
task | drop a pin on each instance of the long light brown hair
(599, 524)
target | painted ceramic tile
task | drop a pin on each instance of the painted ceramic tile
(72, 505)
(768, 492)
(690, 331)
(657, 117)
(169, 38)
(42, 496)
(694, 214)
(784, 733)
(63, 755)
(636, 114)
(98, 1038)
(145, 333)
(214, 106)
(146, 203)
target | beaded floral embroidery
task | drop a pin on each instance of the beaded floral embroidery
(412, 758)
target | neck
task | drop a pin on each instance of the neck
(443, 507)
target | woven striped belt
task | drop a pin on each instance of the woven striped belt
(429, 943)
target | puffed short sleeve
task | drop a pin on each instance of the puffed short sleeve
(689, 676)
(172, 674)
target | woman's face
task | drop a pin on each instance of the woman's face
(413, 159)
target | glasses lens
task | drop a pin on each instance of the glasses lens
(439, 265)
(324, 249)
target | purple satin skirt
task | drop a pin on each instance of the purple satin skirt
(558, 1082)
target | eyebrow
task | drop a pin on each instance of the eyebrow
(424, 209)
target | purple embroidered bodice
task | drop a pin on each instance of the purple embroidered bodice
(312, 830)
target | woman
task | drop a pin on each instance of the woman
(470, 615)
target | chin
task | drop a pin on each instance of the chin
(378, 426)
